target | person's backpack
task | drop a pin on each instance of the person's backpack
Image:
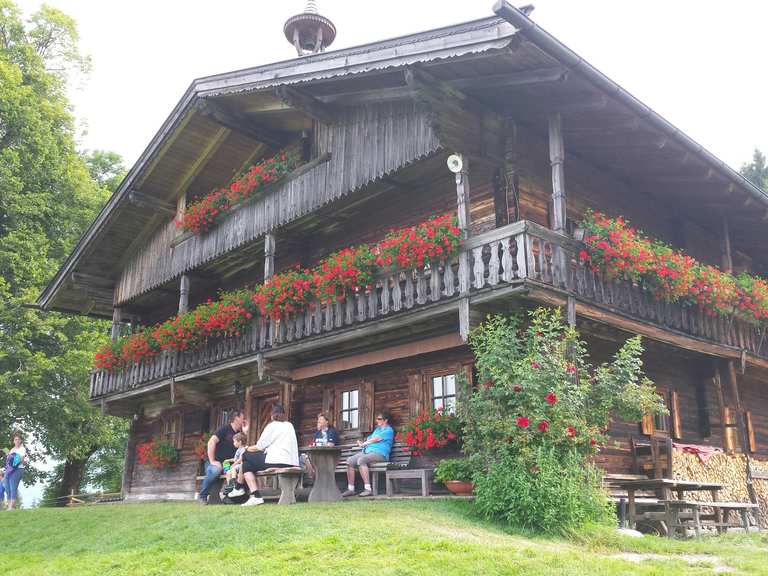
(12, 462)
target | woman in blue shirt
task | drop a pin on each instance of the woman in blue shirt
(375, 448)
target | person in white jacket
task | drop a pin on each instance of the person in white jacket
(276, 448)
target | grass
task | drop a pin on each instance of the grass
(360, 537)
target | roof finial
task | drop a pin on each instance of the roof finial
(309, 32)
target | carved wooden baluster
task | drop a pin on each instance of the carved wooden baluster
(434, 283)
(338, 314)
(409, 289)
(349, 310)
(448, 280)
(372, 298)
(421, 287)
(309, 315)
(464, 272)
(385, 295)
(507, 260)
(478, 270)
(361, 306)
(397, 294)
(494, 264)
(317, 321)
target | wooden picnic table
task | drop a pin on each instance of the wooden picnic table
(324, 459)
(666, 486)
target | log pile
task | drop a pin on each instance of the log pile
(725, 469)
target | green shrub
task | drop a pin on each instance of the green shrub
(454, 469)
(540, 412)
(553, 492)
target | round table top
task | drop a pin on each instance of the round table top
(320, 449)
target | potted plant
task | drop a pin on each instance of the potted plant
(456, 474)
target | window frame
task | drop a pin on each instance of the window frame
(443, 375)
(349, 409)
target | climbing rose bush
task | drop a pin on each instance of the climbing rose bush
(620, 251)
(540, 401)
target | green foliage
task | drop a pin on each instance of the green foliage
(757, 170)
(551, 492)
(454, 469)
(47, 199)
(540, 399)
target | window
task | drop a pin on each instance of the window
(350, 412)
(444, 393)
(173, 428)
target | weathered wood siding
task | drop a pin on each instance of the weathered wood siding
(368, 143)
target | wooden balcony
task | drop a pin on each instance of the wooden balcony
(521, 259)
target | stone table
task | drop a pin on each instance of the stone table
(324, 459)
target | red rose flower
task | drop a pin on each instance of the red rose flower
(551, 398)
(523, 422)
(570, 431)
(543, 425)
(535, 365)
(517, 388)
(592, 441)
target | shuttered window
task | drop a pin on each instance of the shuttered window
(350, 409)
(173, 428)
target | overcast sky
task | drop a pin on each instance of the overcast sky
(699, 63)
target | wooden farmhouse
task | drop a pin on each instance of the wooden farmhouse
(494, 121)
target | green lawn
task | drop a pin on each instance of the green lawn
(358, 537)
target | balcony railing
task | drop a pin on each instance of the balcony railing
(516, 254)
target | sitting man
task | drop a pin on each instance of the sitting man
(376, 448)
(220, 447)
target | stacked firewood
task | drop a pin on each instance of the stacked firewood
(725, 469)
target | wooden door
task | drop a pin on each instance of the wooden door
(261, 414)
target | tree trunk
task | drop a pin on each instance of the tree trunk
(72, 478)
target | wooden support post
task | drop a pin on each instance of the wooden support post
(116, 320)
(728, 369)
(129, 459)
(556, 160)
(571, 311)
(463, 206)
(727, 258)
(184, 294)
(511, 176)
(269, 256)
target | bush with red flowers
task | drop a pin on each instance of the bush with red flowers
(435, 240)
(158, 453)
(544, 408)
(620, 251)
(201, 446)
(347, 271)
(431, 430)
(201, 215)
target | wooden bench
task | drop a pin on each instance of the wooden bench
(688, 514)
(397, 467)
(287, 481)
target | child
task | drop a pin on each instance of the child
(2, 487)
(235, 472)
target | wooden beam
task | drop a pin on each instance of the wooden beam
(313, 107)
(142, 200)
(239, 123)
(184, 294)
(725, 247)
(117, 318)
(556, 160)
(526, 78)
(460, 121)
(200, 162)
(269, 255)
(379, 356)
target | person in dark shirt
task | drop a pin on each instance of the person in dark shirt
(326, 435)
(220, 447)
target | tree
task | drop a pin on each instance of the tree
(49, 193)
(757, 170)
